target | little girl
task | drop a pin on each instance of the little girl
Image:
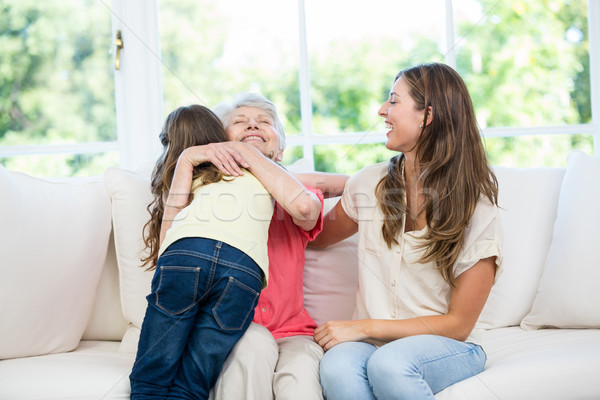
(211, 265)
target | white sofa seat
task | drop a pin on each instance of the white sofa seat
(534, 365)
(95, 370)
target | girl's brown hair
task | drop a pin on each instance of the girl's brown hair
(452, 165)
(185, 127)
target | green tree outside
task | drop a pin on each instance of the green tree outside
(526, 63)
(56, 82)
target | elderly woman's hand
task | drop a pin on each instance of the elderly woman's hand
(223, 155)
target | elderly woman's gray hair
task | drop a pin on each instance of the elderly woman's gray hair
(224, 110)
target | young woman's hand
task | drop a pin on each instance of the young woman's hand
(335, 332)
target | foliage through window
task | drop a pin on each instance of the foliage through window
(56, 83)
(525, 62)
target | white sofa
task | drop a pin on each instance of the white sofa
(72, 294)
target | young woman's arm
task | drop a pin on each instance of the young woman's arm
(337, 226)
(466, 302)
(332, 185)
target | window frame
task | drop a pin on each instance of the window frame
(308, 140)
(139, 96)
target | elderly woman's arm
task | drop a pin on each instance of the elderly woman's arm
(303, 205)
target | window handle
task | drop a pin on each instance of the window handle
(119, 44)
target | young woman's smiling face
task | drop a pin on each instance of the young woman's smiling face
(255, 126)
(402, 119)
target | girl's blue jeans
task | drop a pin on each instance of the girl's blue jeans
(202, 301)
(411, 368)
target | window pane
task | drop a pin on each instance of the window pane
(61, 165)
(291, 155)
(212, 50)
(349, 159)
(356, 50)
(526, 62)
(536, 151)
(56, 79)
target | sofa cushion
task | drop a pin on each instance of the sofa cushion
(130, 195)
(94, 371)
(552, 364)
(331, 278)
(107, 322)
(567, 296)
(528, 198)
(53, 240)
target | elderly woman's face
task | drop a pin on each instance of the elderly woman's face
(255, 126)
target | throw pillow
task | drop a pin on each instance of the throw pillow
(567, 296)
(130, 195)
(53, 240)
(331, 278)
(528, 198)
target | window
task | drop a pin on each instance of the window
(213, 50)
(328, 66)
(57, 106)
(527, 66)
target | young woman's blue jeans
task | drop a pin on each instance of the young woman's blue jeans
(202, 301)
(411, 368)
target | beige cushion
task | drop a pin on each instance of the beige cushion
(53, 240)
(528, 198)
(331, 278)
(130, 195)
(567, 296)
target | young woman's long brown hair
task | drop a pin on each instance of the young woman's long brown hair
(452, 165)
(185, 127)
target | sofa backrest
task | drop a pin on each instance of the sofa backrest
(54, 237)
(528, 199)
(64, 267)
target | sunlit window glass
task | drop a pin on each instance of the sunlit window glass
(526, 62)
(56, 82)
(212, 50)
(357, 48)
(350, 158)
(536, 150)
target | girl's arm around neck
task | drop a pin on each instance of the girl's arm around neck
(222, 155)
(179, 193)
(466, 302)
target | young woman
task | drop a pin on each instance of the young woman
(429, 248)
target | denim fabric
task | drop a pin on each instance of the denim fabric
(411, 368)
(202, 301)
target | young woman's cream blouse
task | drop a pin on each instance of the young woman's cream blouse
(392, 284)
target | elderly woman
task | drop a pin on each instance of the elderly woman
(277, 356)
